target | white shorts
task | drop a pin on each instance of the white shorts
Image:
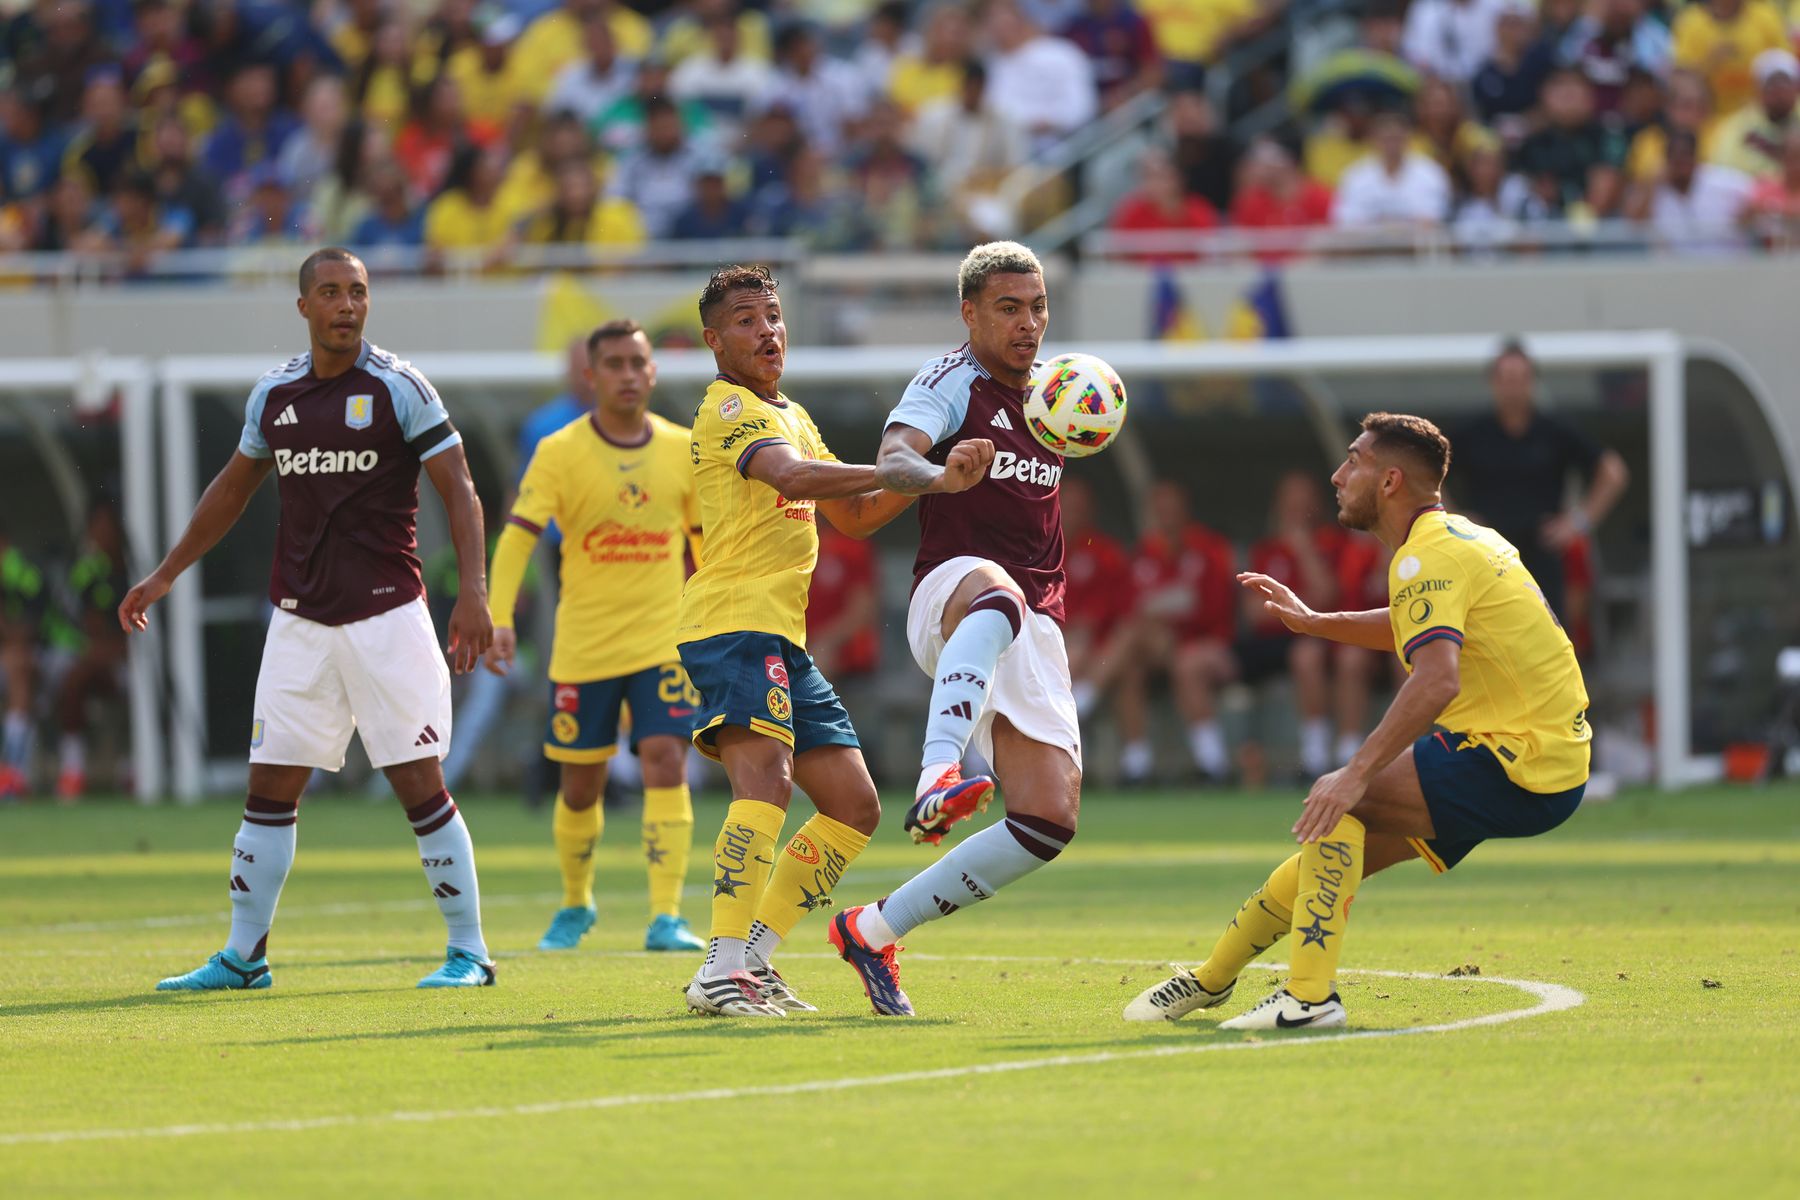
(1031, 682)
(383, 677)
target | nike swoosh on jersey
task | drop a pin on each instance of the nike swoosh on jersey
(631, 466)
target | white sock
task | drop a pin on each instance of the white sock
(873, 928)
(261, 856)
(1315, 745)
(723, 956)
(74, 754)
(1085, 696)
(974, 870)
(1347, 746)
(1137, 760)
(17, 744)
(965, 673)
(929, 776)
(761, 947)
(448, 856)
(1206, 742)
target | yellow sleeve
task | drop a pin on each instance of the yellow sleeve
(732, 428)
(821, 451)
(1430, 598)
(511, 556)
(539, 495)
(1691, 38)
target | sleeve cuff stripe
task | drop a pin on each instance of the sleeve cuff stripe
(527, 526)
(1431, 635)
(455, 439)
(750, 450)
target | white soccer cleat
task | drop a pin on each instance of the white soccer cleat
(737, 994)
(1176, 997)
(775, 991)
(1283, 1010)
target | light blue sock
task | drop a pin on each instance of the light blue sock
(965, 673)
(974, 870)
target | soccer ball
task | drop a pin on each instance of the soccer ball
(1075, 405)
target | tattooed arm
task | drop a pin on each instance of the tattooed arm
(900, 465)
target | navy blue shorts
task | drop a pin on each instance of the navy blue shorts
(767, 685)
(1471, 799)
(584, 717)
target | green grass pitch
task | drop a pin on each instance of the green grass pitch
(581, 1074)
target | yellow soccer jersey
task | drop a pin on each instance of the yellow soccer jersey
(626, 513)
(760, 546)
(1522, 695)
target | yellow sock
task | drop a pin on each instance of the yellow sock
(576, 833)
(807, 870)
(742, 858)
(1330, 869)
(668, 836)
(1259, 924)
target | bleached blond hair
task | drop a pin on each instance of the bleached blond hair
(994, 258)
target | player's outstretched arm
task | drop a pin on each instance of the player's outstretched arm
(901, 466)
(219, 509)
(779, 465)
(1369, 629)
(471, 629)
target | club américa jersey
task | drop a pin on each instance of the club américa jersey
(1522, 693)
(347, 452)
(1013, 517)
(761, 547)
(627, 511)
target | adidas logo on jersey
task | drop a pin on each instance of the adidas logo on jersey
(324, 462)
(287, 417)
(1001, 420)
(1008, 465)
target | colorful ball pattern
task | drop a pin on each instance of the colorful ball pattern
(1075, 405)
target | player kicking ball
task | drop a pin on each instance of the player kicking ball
(350, 648)
(618, 483)
(1487, 738)
(766, 711)
(984, 621)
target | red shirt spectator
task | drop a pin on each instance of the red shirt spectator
(1099, 593)
(1189, 582)
(1159, 205)
(1274, 557)
(841, 610)
(1362, 573)
(1273, 194)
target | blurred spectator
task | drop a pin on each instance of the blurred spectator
(1362, 581)
(1617, 38)
(935, 71)
(272, 213)
(69, 211)
(687, 34)
(161, 33)
(883, 40)
(253, 129)
(770, 143)
(1774, 208)
(1695, 207)
(429, 142)
(1301, 550)
(1098, 602)
(30, 155)
(720, 75)
(181, 183)
(160, 92)
(658, 177)
(969, 148)
(1121, 47)
(312, 153)
(454, 28)
(58, 49)
(558, 38)
(1273, 194)
(1688, 108)
(1450, 38)
(1395, 185)
(106, 146)
(1510, 468)
(354, 36)
(1505, 87)
(621, 127)
(580, 215)
(1206, 157)
(1720, 39)
(464, 216)
(894, 195)
(1573, 162)
(1449, 137)
(340, 200)
(1190, 34)
(1343, 138)
(1022, 59)
(825, 94)
(1159, 205)
(1487, 210)
(383, 86)
(392, 219)
(714, 212)
(96, 584)
(1750, 139)
(529, 187)
(1185, 622)
(600, 79)
(24, 599)
(843, 613)
(139, 228)
(802, 205)
(479, 67)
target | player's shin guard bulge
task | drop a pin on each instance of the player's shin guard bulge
(1260, 923)
(965, 673)
(811, 865)
(1330, 870)
(742, 859)
(448, 856)
(981, 865)
(261, 856)
(576, 832)
(668, 838)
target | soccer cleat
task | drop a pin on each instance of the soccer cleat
(1282, 1010)
(775, 990)
(460, 969)
(951, 799)
(671, 933)
(1175, 998)
(567, 928)
(737, 994)
(223, 972)
(879, 971)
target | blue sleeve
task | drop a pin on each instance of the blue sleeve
(936, 401)
(252, 444)
(417, 407)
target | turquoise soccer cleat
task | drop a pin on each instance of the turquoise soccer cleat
(671, 933)
(460, 969)
(566, 928)
(223, 972)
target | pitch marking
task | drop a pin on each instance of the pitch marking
(1551, 998)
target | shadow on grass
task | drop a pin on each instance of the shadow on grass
(149, 996)
(665, 1029)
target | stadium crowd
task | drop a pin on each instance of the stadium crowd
(139, 126)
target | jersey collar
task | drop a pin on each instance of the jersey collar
(594, 424)
(776, 399)
(1429, 508)
(362, 357)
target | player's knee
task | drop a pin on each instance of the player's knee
(582, 785)
(859, 809)
(664, 760)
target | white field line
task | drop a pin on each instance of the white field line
(1550, 997)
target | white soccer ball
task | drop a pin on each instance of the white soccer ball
(1075, 405)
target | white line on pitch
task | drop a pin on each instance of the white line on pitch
(1551, 998)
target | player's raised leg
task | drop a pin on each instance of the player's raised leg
(667, 838)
